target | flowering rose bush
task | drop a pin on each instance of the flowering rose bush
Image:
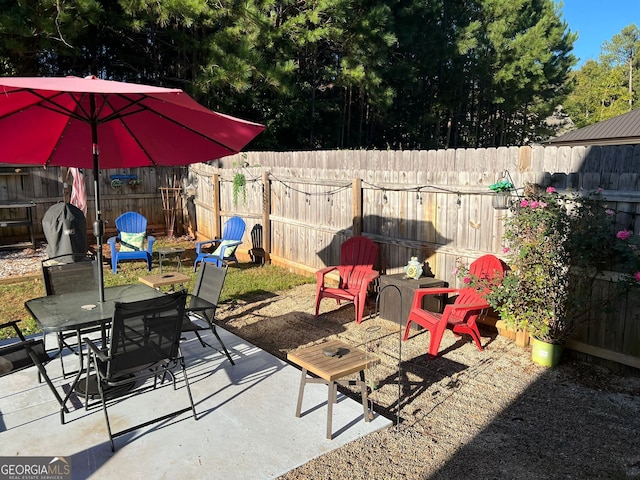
(557, 245)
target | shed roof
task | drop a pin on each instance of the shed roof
(621, 130)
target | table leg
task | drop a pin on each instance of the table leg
(333, 388)
(363, 390)
(303, 381)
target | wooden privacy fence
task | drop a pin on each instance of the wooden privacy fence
(119, 192)
(301, 206)
(435, 205)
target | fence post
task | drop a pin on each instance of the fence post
(524, 159)
(356, 205)
(266, 219)
(217, 221)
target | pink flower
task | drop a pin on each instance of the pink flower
(506, 250)
(623, 234)
(455, 271)
(637, 276)
(543, 204)
(534, 204)
(466, 280)
(600, 190)
(610, 212)
(551, 189)
(524, 203)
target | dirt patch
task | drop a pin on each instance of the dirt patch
(483, 415)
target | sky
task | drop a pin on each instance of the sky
(597, 21)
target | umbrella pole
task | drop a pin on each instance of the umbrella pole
(98, 226)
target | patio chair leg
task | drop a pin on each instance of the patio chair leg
(226, 352)
(186, 382)
(205, 344)
(202, 342)
(42, 373)
(106, 415)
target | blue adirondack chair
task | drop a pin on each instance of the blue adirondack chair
(225, 251)
(132, 232)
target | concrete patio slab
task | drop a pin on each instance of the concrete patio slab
(246, 428)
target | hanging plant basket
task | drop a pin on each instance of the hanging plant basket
(239, 188)
(502, 200)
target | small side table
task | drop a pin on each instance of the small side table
(395, 308)
(167, 251)
(164, 279)
(348, 360)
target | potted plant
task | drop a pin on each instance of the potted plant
(557, 245)
(134, 183)
(502, 197)
(239, 186)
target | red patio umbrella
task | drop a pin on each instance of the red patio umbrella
(59, 122)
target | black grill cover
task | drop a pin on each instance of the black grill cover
(65, 228)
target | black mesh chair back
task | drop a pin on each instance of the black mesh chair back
(144, 333)
(21, 353)
(77, 276)
(203, 303)
(144, 342)
(208, 287)
(66, 274)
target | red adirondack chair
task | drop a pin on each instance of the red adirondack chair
(356, 272)
(489, 267)
(461, 316)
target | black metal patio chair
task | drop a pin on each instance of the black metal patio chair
(66, 274)
(20, 353)
(203, 303)
(144, 343)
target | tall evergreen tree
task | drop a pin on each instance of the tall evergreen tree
(320, 74)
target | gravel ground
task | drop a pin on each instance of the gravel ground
(21, 262)
(466, 414)
(481, 415)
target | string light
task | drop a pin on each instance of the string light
(505, 174)
(330, 193)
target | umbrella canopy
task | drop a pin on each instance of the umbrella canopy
(93, 123)
(49, 121)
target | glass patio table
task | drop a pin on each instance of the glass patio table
(75, 312)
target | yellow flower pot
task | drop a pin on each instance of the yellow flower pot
(546, 354)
